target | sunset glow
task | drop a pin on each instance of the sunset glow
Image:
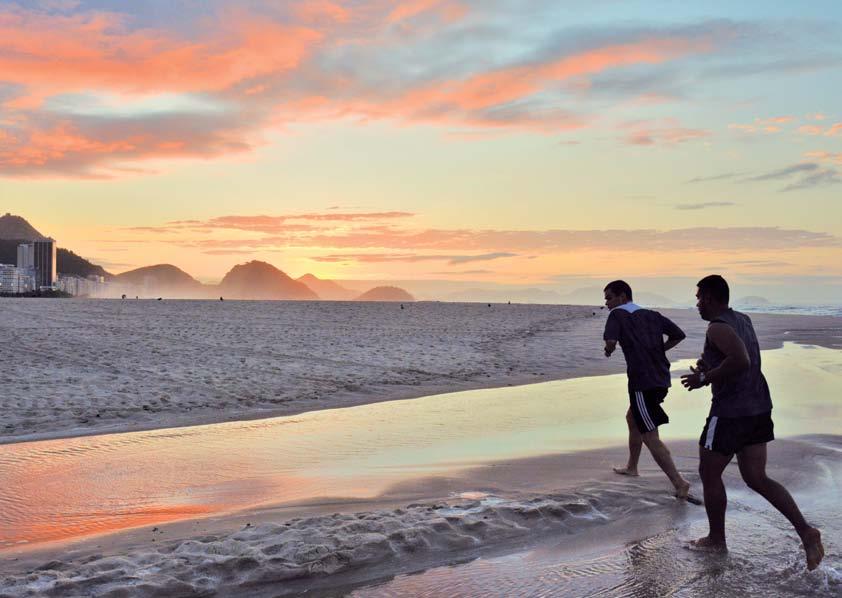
(500, 142)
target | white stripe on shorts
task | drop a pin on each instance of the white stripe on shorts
(711, 433)
(641, 406)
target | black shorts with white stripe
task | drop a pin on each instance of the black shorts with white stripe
(646, 408)
(730, 435)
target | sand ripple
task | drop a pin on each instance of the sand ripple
(301, 550)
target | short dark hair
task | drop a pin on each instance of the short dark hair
(618, 287)
(715, 286)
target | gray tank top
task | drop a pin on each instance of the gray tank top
(747, 393)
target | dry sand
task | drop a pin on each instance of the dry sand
(73, 367)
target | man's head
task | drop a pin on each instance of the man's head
(712, 296)
(617, 293)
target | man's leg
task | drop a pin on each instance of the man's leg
(635, 445)
(711, 466)
(752, 461)
(663, 458)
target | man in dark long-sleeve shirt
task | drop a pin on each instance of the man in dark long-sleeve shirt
(640, 333)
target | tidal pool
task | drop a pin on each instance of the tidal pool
(78, 487)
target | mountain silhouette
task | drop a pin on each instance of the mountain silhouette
(385, 294)
(15, 230)
(259, 280)
(18, 229)
(327, 289)
(164, 278)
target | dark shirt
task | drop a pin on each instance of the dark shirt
(746, 393)
(640, 333)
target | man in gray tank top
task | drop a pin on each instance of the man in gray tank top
(740, 420)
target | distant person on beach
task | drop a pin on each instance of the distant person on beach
(740, 420)
(640, 333)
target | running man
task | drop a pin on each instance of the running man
(740, 420)
(640, 333)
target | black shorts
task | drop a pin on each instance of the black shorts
(729, 435)
(646, 408)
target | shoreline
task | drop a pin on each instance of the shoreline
(512, 507)
(572, 325)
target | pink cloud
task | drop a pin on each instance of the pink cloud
(763, 125)
(835, 130)
(287, 223)
(315, 11)
(506, 85)
(263, 74)
(397, 241)
(408, 9)
(665, 132)
(821, 156)
(62, 149)
(51, 54)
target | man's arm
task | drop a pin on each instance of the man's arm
(671, 342)
(611, 334)
(674, 334)
(736, 359)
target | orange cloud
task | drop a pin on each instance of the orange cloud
(398, 240)
(509, 84)
(314, 11)
(58, 54)
(264, 71)
(669, 136)
(660, 132)
(835, 158)
(62, 149)
(764, 125)
(406, 10)
(835, 130)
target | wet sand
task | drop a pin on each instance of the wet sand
(77, 367)
(528, 517)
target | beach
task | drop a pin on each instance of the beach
(478, 474)
(83, 367)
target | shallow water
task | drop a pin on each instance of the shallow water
(764, 558)
(72, 488)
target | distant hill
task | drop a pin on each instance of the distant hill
(17, 228)
(385, 294)
(164, 279)
(259, 280)
(595, 296)
(68, 262)
(327, 289)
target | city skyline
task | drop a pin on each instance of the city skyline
(502, 143)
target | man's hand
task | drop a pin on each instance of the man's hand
(610, 346)
(692, 381)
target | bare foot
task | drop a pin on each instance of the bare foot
(812, 540)
(708, 544)
(682, 490)
(626, 471)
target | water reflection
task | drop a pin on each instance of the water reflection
(72, 488)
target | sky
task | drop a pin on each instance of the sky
(522, 142)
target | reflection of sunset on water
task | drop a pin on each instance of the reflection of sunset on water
(78, 487)
(95, 524)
